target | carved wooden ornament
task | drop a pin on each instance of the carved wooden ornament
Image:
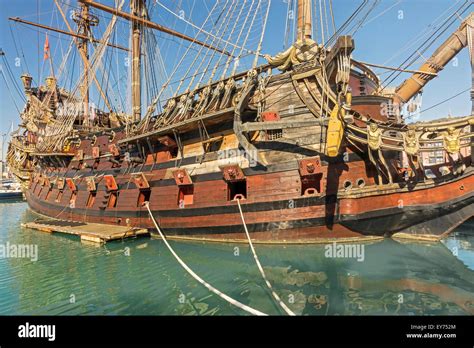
(60, 182)
(80, 155)
(110, 183)
(310, 166)
(232, 173)
(270, 116)
(95, 152)
(140, 181)
(182, 177)
(90, 182)
(113, 149)
(70, 183)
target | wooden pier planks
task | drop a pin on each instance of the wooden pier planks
(88, 232)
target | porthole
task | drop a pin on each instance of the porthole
(347, 185)
(360, 183)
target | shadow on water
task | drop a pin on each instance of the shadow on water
(140, 277)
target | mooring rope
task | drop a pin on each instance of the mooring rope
(260, 268)
(195, 276)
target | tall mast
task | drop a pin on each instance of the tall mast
(92, 20)
(137, 9)
(84, 29)
(304, 20)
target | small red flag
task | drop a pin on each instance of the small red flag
(46, 48)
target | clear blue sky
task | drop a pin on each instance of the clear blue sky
(388, 29)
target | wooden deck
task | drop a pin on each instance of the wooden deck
(88, 232)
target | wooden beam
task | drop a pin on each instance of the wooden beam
(150, 24)
(438, 60)
(79, 36)
(274, 125)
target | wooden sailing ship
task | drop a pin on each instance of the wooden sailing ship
(301, 141)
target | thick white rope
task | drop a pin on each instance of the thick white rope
(195, 276)
(260, 268)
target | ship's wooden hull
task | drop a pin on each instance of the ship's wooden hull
(278, 215)
(291, 192)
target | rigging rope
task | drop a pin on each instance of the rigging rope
(264, 26)
(227, 20)
(229, 59)
(360, 24)
(225, 47)
(144, 122)
(196, 27)
(199, 54)
(55, 134)
(287, 25)
(246, 38)
(421, 35)
(9, 91)
(420, 50)
(383, 12)
(260, 268)
(332, 16)
(347, 23)
(195, 276)
(323, 41)
(470, 44)
(16, 48)
(444, 101)
(12, 78)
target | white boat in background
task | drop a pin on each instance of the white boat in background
(10, 189)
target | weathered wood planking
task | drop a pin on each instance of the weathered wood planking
(89, 232)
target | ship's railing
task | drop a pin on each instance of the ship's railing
(21, 173)
(22, 145)
(196, 115)
(359, 134)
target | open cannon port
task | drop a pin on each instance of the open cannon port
(143, 196)
(311, 185)
(91, 199)
(185, 195)
(237, 190)
(113, 199)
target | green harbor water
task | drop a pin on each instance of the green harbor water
(140, 276)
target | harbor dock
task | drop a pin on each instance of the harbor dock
(88, 232)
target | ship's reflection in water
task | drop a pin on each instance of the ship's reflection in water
(394, 278)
